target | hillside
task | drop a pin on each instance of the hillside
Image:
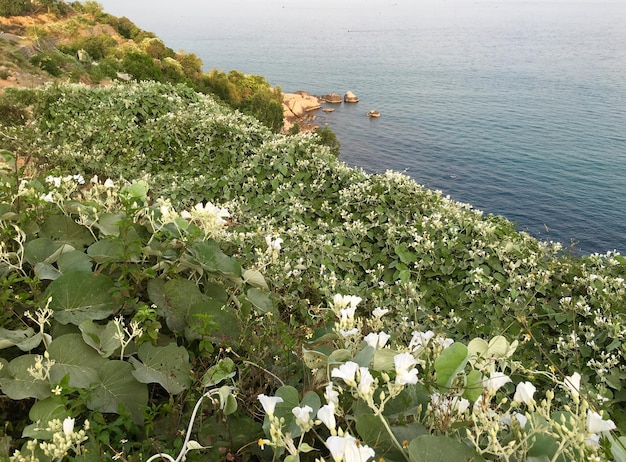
(82, 43)
(208, 213)
(161, 248)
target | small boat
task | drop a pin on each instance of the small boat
(373, 113)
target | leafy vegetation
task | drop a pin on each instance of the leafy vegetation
(210, 257)
(82, 43)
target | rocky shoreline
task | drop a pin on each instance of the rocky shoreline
(300, 108)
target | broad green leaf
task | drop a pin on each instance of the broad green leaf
(255, 279)
(222, 326)
(106, 250)
(74, 261)
(364, 357)
(213, 260)
(4, 368)
(46, 410)
(22, 385)
(405, 255)
(136, 192)
(372, 431)
(618, 447)
(228, 403)
(473, 386)
(116, 386)
(65, 230)
(429, 448)
(476, 349)
(449, 363)
(224, 369)
(74, 357)
(383, 359)
(339, 356)
(498, 347)
(43, 250)
(100, 338)
(45, 271)
(78, 296)
(42, 412)
(33, 342)
(9, 338)
(166, 365)
(260, 301)
(312, 400)
(174, 299)
(109, 224)
(314, 359)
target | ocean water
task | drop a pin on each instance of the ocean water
(516, 107)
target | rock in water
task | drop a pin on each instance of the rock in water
(333, 98)
(350, 97)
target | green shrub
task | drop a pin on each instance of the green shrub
(97, 46)
(13, 7)
(141, 67)
(54, 63)
(329, 138)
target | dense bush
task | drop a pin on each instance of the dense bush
(97, 46)
(306, 231)
(251, 94)
(13, 7)
(141, 67)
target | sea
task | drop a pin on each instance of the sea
(515, 107)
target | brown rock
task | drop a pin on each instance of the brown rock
(350, 97)
(333, 98)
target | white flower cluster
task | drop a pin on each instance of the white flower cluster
(63, 442)
(211, 219)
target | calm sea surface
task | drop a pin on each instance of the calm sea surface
(518, 108)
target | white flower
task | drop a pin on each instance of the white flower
(448, 404)
(327, 415)
(524, 393)
(379, 312)
(366, 382)
(349, 333)
(345, 448)
(444, 342)
(302, 415)
(47, 197)
(403, 362)
(68, 426)
(347, 314)
(211, 210)
(495, 381)
(346, 372)
(343, 301)
(273, 244)
(596, 424)
(573, 384)
(269, 403)
(332, 396)
(377, 341)
(420, 339)
(521, 418)
(109, 183)
(55, 180)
